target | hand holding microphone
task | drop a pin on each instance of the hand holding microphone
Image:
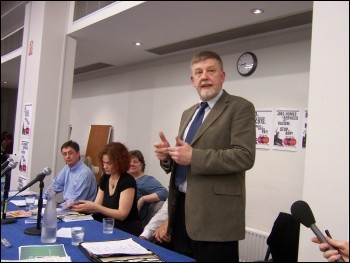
(301, 211)
(333, 255)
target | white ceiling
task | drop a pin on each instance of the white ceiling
(168, 27)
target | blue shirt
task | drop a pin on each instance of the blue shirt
(76, 183)
(148, 185)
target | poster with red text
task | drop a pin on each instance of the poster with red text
(264, 128)
(304, 128)
(287, 124)
(26, 120)
(23, 157)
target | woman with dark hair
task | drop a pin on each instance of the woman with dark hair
(117, 191)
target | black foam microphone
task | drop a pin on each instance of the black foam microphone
(10, 166)
(301, 211)
(4, 164)
(39, 177)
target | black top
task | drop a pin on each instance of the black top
(132, 223)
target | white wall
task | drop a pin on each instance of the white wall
(326, 183)
(141, 100)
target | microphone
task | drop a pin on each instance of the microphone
(3, 165)
(10, 166)
(301, 211)
(39, 177)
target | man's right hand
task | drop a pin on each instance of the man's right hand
(161, 148)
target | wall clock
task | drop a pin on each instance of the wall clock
(246, 64)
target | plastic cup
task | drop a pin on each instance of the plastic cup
(30, 200)
(108, 225)
(77, 235)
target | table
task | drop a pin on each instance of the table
(93, 232)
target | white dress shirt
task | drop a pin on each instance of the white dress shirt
(156, 221)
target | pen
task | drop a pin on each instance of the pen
(328, 234)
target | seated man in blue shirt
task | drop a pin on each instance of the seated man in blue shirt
(75, 180)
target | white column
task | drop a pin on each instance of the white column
(326, 178)
(46, 80)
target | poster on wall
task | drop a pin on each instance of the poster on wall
(23, 158)
(287, 129)
(304, 128)
(22, 181)
(264, 128)
(26, 120)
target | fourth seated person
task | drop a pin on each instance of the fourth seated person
(149, 189)
(117, 193)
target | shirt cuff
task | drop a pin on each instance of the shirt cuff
(147, 233)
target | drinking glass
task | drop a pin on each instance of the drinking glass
(77, 235)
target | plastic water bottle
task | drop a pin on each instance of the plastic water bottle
(49, 223)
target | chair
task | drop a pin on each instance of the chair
(88, 162)
(283, 241)
(152, 210)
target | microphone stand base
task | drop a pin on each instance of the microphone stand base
(8, 220)
(33, 231)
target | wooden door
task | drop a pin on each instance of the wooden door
(98, 138)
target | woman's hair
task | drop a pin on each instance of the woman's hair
(118, 155)
(138, 154)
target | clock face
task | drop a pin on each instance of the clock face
(246, 64)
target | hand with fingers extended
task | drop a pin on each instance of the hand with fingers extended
(161, 148)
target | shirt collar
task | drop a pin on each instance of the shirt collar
(212, 102)
(75, 167)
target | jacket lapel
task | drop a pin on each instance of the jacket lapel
(214, 113)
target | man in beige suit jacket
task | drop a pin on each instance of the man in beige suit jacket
(207, 210)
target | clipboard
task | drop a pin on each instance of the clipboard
(118, 257)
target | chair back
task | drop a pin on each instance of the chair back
(283, 240)
(152, 210)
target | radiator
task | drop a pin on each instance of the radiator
(254, 246)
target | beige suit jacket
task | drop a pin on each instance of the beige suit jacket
(223, 149)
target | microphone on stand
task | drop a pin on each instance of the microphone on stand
(39, 177)
(301, 211)
(10, 166)
(36, 231)
(10, 159)
(4, 219)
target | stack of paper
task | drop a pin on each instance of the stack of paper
(126, 250)
(124, 246)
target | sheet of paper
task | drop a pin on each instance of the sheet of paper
(64, 232)
(20, 203)
(44, 252)
(125, 246)
(24, 193)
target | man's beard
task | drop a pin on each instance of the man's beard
(207, 95)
